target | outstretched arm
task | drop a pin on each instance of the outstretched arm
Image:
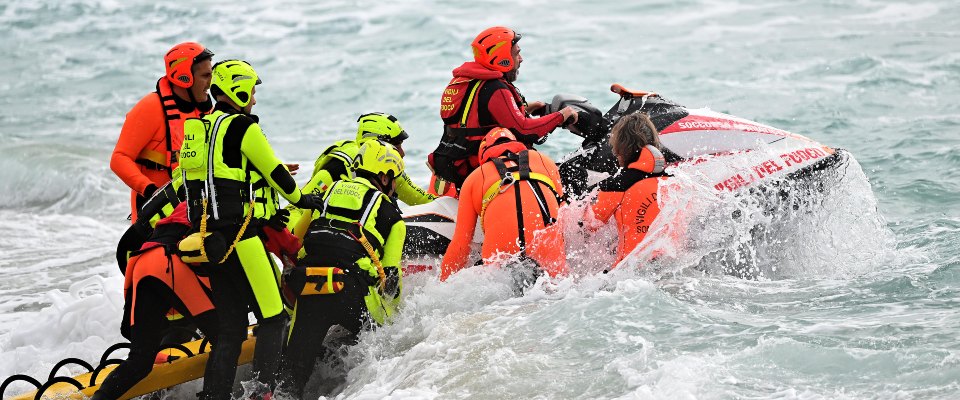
(459, 250)
(255, 147)
(411, 194)
(505, 111)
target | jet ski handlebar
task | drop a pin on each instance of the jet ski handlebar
(593, 125)
(590, 123)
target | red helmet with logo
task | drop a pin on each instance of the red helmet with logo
(497, 142)
(179, 62)
(492, 48)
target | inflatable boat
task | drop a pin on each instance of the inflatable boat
(181, 363)
(726, 153)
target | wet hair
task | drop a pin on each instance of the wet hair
(631, 134)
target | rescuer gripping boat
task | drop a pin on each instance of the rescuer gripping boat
(726, 153)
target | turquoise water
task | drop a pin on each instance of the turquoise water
(863, 300)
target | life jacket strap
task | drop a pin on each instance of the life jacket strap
(356, 229)
(522, 172)
(152, 165)
(326, 280)
(469, 104)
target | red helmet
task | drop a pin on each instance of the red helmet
(180, 59)
(492, 48)
(497, 142)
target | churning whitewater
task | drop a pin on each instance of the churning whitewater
(847, 293)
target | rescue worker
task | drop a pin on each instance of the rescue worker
(147, 149)
(516, 194)
(348, 271)
(232, 178)
(630, 196)
(155, 281)
(336, 162)
(482, 96)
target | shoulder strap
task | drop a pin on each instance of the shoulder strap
(168, 103)
(523, 165)
(521, 172)
(467, 105)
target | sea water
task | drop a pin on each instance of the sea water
(854, 297)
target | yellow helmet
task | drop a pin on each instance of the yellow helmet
(235, 79)
(376, 157)
(380, 126)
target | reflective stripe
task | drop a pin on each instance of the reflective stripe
(211, 188)
(343, 156)
(368, 210)
(540, 200)
(466, 109)
(326, 200)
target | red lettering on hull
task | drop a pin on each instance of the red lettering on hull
(770, 167)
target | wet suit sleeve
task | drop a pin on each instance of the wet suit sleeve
(504, 110)
(255, 147)
(468, 211)
(600, 212)
(141, 125)
(392, 252)
(318, 184)
(411, 194)
(393, 247)
(325, 168)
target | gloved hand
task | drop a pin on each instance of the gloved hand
(149, 190)
(309, 202)
(392, 284)
(279, 220)
(570, 116)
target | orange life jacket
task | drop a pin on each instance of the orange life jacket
(149, 143)
(167, 157)
(517, 198)
(631, 198)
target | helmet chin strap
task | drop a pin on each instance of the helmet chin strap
(382, 187)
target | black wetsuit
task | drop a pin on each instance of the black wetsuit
(234, 298)
(331, 243)
(153, 300)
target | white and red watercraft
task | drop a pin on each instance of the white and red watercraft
(723, 152)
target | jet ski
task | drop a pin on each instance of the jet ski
(727, 153)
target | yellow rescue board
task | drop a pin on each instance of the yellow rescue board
(183, 369)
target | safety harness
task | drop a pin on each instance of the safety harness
(510, 176)
(356, 230)
(209, 195)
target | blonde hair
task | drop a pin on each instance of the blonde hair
(632, 133)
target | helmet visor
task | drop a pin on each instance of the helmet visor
(206, 54)
(397, 140)
(516, 37)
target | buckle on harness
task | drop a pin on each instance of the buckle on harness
(507, 181)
